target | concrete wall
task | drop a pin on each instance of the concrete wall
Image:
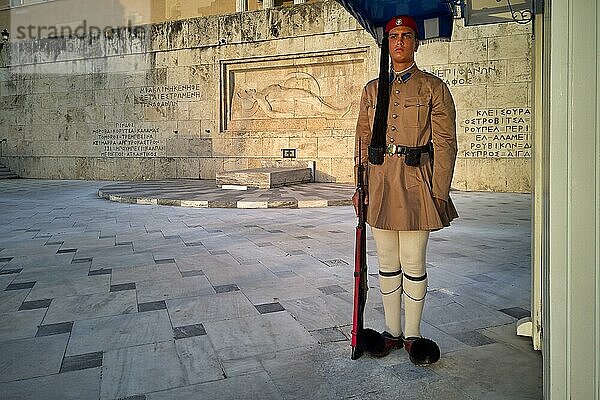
(190, 98)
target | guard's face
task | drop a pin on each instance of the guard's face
(403, 43)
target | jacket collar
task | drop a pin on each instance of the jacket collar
(404, 76)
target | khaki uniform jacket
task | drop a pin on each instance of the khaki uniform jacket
(400, 196)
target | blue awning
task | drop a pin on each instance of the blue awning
(434, 17)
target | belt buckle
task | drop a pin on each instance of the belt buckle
(391, 149)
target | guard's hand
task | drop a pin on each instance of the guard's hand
(441, 209)
(355, 201)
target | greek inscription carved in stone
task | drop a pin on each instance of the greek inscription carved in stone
(497, 133)
(124, 139)
(165, 96)
(465, 74)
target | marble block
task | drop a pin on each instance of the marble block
(28, 358)
(244, 337)
(264, 178)
(113, 332)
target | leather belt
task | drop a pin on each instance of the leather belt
(396, 149)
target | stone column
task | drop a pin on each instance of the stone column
(268, 4)
(299, 1)
(241, 5)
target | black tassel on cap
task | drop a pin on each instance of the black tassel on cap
(378, 142)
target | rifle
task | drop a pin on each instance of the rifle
(363, 339)
(360, 265)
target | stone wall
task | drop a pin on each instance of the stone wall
(489, 71)
(188, 99)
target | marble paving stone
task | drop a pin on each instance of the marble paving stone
(20, 286)
(84, 260)
(248, 387)
(5, 280)
(285, 274)
(173, 288)
(186, 274)
(232, 272)
(29, 358)
(133, 370)
(328, 335)
(126, 261)
(81, 361)
(71, 286)
(506, 334)
(35, 304)
(516, 312)
(407, 372)
(11, 300)
(152, 306)
(331, 289)
(10, 271)
(320, 312)
(501, 371)
(199, 359)
(243, 337)
(75, 385)
(122, 286)
(445, 341)
(52, 274)
(76, 308)
(269, 308)
(494, 295)
(462, 314)
(216, 307)
(54, 329)
(50, 259)
(474, 338)
(267, 291)
(162, 249)
(481, 278)
(242, 366)
(148, 272)
(21, 324)
(66, 250)
(187, 331)
(114, 332)
(107, 251)
(226, 288)
(441, 278)
(164, 260)
(101, 271)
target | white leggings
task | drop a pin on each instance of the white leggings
(402, 270)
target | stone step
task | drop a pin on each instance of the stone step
(264, 178)
(6, 173)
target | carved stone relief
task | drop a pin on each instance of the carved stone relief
(286, 99)
(291, 88)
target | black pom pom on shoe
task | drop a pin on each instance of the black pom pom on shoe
(371, 341)
(422, 351)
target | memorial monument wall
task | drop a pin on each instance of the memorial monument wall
(190, 98)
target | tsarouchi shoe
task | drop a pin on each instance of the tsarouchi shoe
(382, 345)
(422, 351)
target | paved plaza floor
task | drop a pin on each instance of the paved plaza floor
(104, 299)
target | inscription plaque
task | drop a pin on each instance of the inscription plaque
(125, 139)
(496, 133)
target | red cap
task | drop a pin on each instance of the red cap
(401, 20)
